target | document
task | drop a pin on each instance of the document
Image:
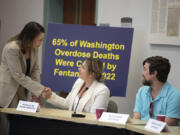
(165, 22)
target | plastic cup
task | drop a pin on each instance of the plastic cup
(99, 112)
(160, 117)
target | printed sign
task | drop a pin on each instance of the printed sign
(156, 126)
(26, 106)
(114, 118)
(68, 46)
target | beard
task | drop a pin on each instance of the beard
(146, 82)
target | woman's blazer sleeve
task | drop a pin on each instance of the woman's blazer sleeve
(101, 99)
(12, 56)
(64, 103)
(60, 102)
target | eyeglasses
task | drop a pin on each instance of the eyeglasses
(151, 109)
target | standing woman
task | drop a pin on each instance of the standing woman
(88, 92)
(19, 69)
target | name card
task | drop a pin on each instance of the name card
(27, 106)
(156, 126)
(114, 118)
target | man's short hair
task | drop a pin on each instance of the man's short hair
(159, 64)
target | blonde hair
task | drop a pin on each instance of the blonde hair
(95, 66)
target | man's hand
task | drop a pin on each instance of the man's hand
(46, 93)
(136, 115)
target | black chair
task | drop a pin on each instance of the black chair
(112, 106)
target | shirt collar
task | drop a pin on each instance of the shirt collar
(163, 92)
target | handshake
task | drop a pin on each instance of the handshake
(46, 93)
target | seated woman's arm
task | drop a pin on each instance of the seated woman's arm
(58, 101)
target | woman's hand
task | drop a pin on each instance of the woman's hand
(46, 93)
(38, 100)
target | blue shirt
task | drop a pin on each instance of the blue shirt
(166, 103)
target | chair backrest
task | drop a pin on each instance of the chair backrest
(112, 107)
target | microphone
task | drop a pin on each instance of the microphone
(75, 114)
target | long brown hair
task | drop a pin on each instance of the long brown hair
(26, 37)
(95, 66)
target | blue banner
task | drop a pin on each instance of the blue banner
(68, 45)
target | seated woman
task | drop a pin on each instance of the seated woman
(88, 92)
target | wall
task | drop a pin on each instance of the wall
(173, 54)
(138, 10)
(14, 14)
(111, 12)
(53, 13)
